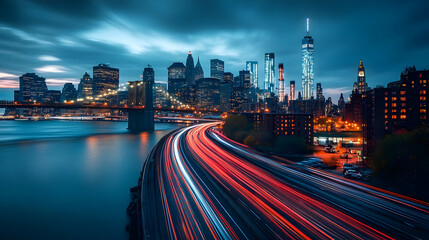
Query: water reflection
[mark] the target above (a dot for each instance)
(76, 186)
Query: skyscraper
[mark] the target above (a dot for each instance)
(269, 72)
(360, 86)
(281, 84)
(244, 79)
(307, 65)
(190, 79)
(252, 67)
(319, 91)
(208, 95)
(228, 77)
(198, 71)
(68, 93)
(31, 88)
(177, 80)
(148, 82)
(85, 92)
(104, 78)
(292, 90)
(216, 68)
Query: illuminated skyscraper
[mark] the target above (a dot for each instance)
(31, 88)
(216, 68)
(269, 72)
(361, 85)
(281, 84)
(252, 67)
(292, 90)
(307, 65)
(85, 92)
(105, 78)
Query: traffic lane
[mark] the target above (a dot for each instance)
(278, 200)
(367, 207)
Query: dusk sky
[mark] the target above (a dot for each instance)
(61, 40)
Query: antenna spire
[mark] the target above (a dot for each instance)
(308, 26)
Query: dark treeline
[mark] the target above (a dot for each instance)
(402, 161)
(239, 129)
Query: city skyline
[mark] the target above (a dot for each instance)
(64, 56)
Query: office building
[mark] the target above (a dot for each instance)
(105, 78)
(198, 71)
(353, 109)
(148, 83)
(177, 81)
(85, 91)
(216, 68)
(68, 93)
(189, 73)
(228, 77)
(319, 91)
(310, 106)
(300, 125)
(307, 50)
(225, 89)
(208, 93)
(32, 88)
(292, 90)
(401, 106)
(281, 84)
(270, 78)
(341, 105)
(160, 96)
(252, 67)
(243, 79)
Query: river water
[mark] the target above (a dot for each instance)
(69, 179)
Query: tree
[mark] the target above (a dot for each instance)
(403, 160)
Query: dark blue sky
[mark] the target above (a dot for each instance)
(60, 40)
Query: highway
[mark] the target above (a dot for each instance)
(199, 184)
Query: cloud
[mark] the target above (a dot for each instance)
(7, 83)
(7, 75)
(61, 81)
(52, 69)
(49, 58)
(337, 91)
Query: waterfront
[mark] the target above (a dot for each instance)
(69, 180)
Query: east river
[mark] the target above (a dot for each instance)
(69, 179)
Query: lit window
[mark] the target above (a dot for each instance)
(403, 110)
(393, 116)
(403, 99)
(403, 116)
(403, 92)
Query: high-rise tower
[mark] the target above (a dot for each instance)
(307, 49)
(252, 67)
(281, 84)
(198, 71)
(190, 79)
(361, 80)
(269, 72)
(216, 68)
(292, 90)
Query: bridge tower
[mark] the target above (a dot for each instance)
(140, 94)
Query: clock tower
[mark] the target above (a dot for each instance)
(361, 81)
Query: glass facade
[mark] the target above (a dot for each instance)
(269, 72)
(216, 68)
(307, 66)
(252, 67)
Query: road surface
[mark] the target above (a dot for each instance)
(198, 184)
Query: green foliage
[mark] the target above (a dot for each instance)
(236, 127)
(403, 160)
